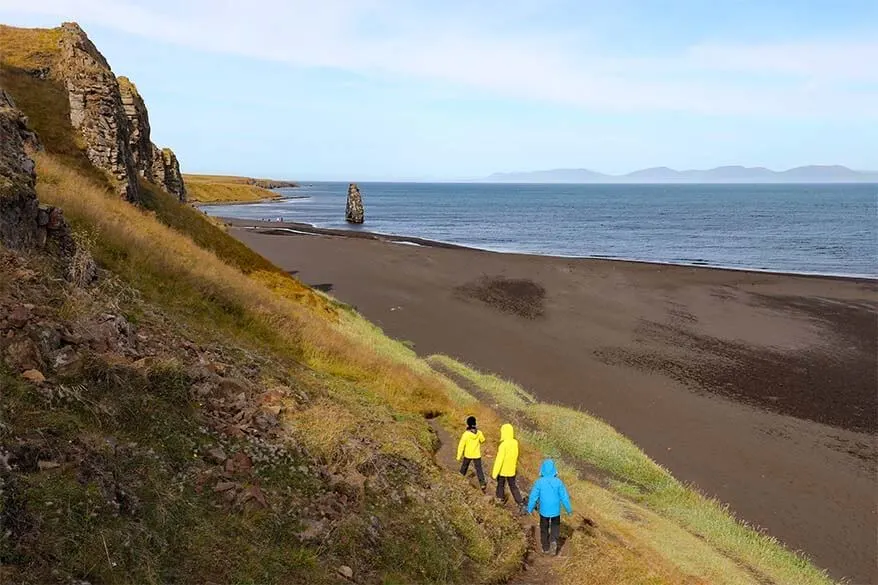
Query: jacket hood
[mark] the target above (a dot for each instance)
(506, 432)
(547, 469)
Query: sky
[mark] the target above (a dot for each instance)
(459, 89)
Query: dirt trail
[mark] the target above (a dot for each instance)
(537, 568)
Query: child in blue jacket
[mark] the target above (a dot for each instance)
(551, 494)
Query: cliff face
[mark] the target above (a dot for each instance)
(151, 162)
(108, 113)
(19, 209)
(96, 109)
(24, 223)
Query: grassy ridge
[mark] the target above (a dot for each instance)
(230, 189)
(580, 437)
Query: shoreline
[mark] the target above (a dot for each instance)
(759, 388)
(279, 227)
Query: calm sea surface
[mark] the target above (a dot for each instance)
(824, 229)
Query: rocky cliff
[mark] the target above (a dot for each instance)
(108, 113)
(155, 164)
(24, 223)
(19, 208)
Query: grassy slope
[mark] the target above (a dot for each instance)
(226, 189)
(578, 437)
(181, 278)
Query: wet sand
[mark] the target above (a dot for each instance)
(761, 389)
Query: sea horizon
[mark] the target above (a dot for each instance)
(765, 227)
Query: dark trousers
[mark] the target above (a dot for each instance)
(501, 488)
(545, 525)
(477, 463)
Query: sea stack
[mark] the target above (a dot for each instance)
(354, 212)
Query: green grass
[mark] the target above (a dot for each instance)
(580, 437)
(128, 511)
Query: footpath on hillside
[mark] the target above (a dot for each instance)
(537, 568)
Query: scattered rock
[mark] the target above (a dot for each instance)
(354, 212)
(19, 317)
(224, 486)
(239, 463)
(216, 455)
(45, 465)
(23, 354)
(34, 376)
(47, 338)
(346, 572)
(66, 360)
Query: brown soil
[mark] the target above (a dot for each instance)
(759, 388)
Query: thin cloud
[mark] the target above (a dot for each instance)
(812, 79)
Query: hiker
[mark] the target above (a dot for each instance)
(470, 450)
(550, 492)
(505, 465)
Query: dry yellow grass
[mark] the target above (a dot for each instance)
(299, 321)
(28, 48)
(206, 192)
(229, 188)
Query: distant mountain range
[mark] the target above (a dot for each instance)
(728, 174)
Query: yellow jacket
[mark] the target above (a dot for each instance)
(507, 453)
(470, 445)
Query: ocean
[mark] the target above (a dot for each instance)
(815, 229)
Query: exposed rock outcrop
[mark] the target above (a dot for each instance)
(151, 162)
(166, 172)
(107, 112)
(354, 212)
(24, 223)
(19, 208)
(96, 109)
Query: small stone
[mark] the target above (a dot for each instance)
(224, 486)
(34, 376)
(19, 317)
(44, 465)
(346, 572)
(217, 455)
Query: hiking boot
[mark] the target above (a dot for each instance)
(546, 551)
(499, 501)
(553, 548)
(522, 509)
(484, 489)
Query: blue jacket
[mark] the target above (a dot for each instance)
(550, 492)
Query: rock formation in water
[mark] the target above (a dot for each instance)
(354, 212)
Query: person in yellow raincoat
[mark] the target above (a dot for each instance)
(469, 450)
(506, 464)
